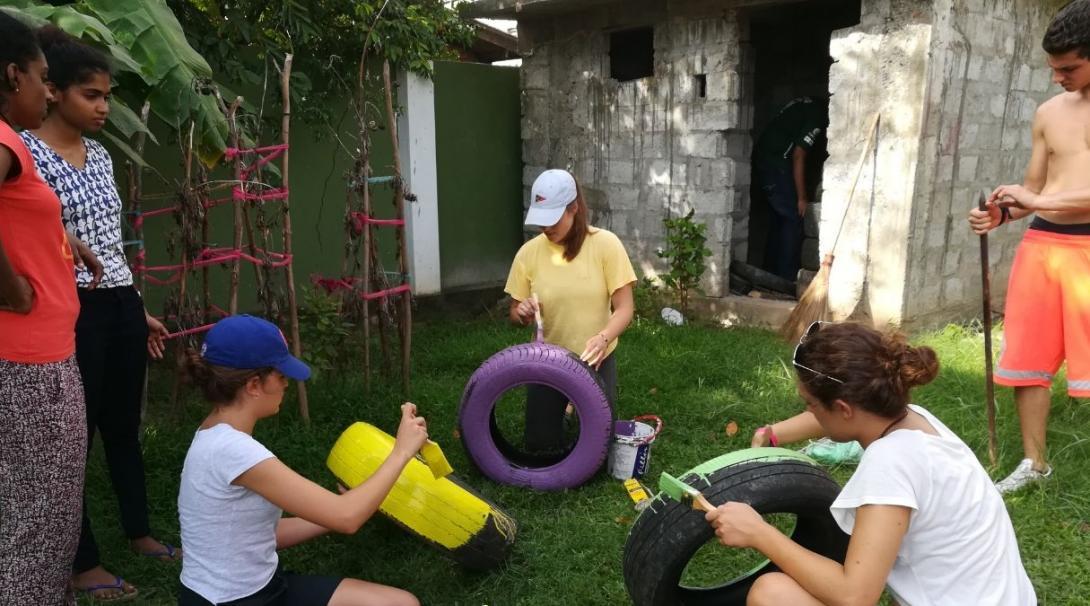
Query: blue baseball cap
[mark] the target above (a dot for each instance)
(246, 342)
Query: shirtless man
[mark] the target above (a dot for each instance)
(1048, 297)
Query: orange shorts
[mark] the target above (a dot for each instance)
(1048, 313)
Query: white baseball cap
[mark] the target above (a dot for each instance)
(552, 192)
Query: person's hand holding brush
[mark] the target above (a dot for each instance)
(522, 312)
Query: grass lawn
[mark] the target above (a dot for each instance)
(569, 545)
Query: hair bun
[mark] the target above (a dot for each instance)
(196, 369)
(917, 365)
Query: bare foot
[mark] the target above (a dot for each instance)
(155, 549)
(111, 586)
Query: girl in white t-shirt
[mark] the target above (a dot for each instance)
(233, 490)
(923, 515)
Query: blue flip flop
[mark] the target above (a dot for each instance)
(169, 553)
(118, 584)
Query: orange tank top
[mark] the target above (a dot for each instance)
(37, 247)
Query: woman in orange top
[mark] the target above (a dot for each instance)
(43, 433)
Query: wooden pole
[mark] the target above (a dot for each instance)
(285, 133)
(136, 192)
(405, 319)
(365, 144)
(232, 124)
(187, 242)
(206, 237)
(989, 381)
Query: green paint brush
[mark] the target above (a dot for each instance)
(680, 491)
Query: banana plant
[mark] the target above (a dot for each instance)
(143, 37)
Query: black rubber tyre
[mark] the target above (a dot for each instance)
(668, 533)
(761, 278)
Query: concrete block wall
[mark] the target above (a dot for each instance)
(957, 83)
(880, 67)
(987, 77)
(647, 149)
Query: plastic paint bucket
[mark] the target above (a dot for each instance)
(630, 451)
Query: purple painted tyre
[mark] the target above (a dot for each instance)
(542, 364)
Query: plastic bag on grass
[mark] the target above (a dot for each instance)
(828, 452)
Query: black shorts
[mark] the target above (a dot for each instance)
(285, 589)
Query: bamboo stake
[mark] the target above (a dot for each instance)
(187, 238)
(367, 242)
(136, 191)
(405, 318)
(206, 287)
(232, 124)
(285, 133)
(234, 132)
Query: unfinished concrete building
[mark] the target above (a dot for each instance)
(654, 106)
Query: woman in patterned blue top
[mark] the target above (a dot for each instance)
(114, 333)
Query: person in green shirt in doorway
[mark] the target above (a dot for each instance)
(780, 161)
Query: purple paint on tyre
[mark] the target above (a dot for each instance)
(542, 364)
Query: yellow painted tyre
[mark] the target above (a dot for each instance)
(443, 512)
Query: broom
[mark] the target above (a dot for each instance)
(812, 304)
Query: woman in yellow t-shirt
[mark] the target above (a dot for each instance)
(583, 281)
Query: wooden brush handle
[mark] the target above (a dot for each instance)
(540, 335)
(699, 502)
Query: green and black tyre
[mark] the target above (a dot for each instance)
(668, 534)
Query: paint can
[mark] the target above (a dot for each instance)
(630, 451)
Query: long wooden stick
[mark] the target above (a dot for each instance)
(989, 381)
(285, 133)
(136, 192)
(405, 319)
(236, 265)
(368, 241)
(187, 243)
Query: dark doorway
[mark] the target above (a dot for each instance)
(790, 45)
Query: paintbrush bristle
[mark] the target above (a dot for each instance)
(675, 488)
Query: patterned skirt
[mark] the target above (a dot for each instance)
(43, 442)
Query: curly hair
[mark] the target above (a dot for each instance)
(1069, 30)
(872, 370)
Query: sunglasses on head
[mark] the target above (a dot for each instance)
(816, 326)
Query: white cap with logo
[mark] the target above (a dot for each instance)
(552, 192)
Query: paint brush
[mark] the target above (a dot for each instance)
(680, 491)
(435, 460)
(537, 318)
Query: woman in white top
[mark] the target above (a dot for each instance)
(924, 517)
(233, 490)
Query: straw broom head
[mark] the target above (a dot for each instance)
(812, 304)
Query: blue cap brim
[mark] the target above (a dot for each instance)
(293, 368)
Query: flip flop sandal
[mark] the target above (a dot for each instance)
(118, 584)
(169, 553)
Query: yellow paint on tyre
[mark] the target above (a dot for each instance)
(439, 510)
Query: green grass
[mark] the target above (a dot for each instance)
(569, 546)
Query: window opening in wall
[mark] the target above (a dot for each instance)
(632, 54)
(700, 85)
